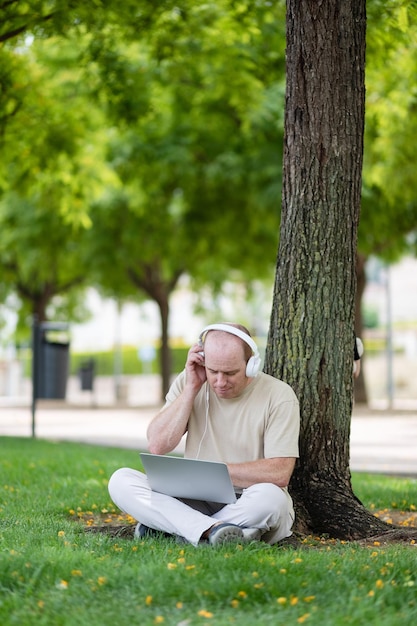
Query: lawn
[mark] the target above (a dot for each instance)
(53, 571)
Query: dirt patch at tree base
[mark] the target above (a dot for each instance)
(406, 519)
(404, 529)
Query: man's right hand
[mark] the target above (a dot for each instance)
(195, 368)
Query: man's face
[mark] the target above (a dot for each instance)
(225, 364)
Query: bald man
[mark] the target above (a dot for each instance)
(231, 412)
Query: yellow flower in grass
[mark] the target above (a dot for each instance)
(63, 584)
(379, 584)
(303, 618)
(101, 580)
(61, 533)
(148, 600)
(76, 572)
(159, 619)
(234, 603)
(204, 613)
(242, 594)
(294, 600)
(282, 600)
(117, 548)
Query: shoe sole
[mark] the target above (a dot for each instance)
(227, 535)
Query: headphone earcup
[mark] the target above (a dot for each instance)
(254, 364)
(252, 367)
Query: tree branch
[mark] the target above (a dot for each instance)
(21, 29)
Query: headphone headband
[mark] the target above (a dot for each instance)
(228, 328)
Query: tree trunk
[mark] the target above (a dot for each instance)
(310, 343)
(165, 353)
(150, 278)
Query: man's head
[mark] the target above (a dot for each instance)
(231, 360)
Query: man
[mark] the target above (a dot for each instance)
(357, 355)
(231, 413)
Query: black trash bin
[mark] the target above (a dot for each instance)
(54, 366)
(86, 374)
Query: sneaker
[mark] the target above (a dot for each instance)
(146, 532)
(251, 534)
(143, 532)
(225, 533)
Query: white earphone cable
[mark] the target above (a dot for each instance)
(206, 423)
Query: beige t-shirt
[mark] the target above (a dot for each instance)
(263, 422)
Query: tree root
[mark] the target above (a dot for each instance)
(124, 532)
(394, 535)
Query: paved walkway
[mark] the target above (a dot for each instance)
(381, 441)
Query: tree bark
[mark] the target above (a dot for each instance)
(310, 342)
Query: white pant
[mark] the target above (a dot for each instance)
(264, 506)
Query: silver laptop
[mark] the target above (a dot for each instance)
(189, 478)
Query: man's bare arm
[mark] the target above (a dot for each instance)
(169, 425)
(276, 470)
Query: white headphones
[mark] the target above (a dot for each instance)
(254, 364)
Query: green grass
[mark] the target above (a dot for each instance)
(54, 573)
(380, 492)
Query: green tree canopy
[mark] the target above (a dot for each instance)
(49, 175)
(188, 101)
(388, 225)
(197, 153)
